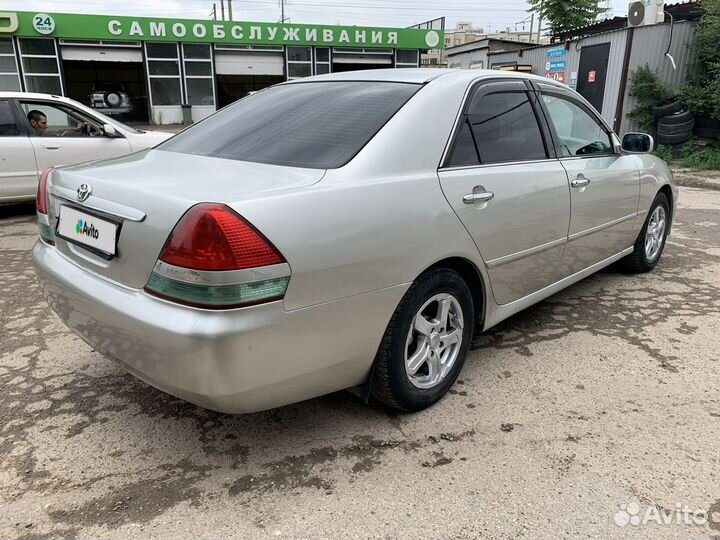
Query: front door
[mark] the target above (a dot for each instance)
(509, 193)
(604, 184)
(18, 170)
(592, 73)
(63, 135)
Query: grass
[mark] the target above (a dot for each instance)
(692, 156)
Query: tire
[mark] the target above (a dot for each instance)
(392, 383)
(706, 133)
(113, 99)
(667, 109)
(639, 261)
(677, 118)
(675, 129)
(674, 139)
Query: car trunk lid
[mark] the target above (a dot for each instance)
(145, 194)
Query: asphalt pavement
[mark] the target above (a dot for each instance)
(593, 414)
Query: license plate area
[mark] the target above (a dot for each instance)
(97, 234)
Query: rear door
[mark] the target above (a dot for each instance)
(501, 177)
(18, 169)
(604, 184)
(63, 143)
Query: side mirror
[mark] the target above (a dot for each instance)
(109, 130)
(638, 143)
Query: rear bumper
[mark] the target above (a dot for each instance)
(237, 361)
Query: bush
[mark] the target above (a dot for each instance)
(664, 152)
(701, 158)
(649, 90)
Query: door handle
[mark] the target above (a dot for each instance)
(580, 181)
(472, 198)
(50, 146)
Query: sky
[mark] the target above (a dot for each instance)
(487, 14)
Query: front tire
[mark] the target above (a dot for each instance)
(650, 242)
(426, 343)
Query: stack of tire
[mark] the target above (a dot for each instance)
(675, 124)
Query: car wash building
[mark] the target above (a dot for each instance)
(158, 69)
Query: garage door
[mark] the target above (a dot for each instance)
(101, 54)
(231, 63)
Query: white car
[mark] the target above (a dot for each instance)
(69, 133)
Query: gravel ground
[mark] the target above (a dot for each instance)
(593, 414)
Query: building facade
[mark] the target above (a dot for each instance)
(166, 65)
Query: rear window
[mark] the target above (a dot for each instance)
(312, 125)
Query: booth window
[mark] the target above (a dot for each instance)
(406, 58)
(40, 65)
(199, 76)
(322, 60)
(299, 62)
(9, 78)
(163, 66)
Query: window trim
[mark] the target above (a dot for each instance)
(495, 85)
(551, 90)
(57, 105)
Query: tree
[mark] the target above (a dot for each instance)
(566, 15)
(702, 94)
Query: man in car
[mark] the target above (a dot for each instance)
(38, 121)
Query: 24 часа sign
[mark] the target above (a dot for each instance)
(107, 27)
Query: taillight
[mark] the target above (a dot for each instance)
(41, 201)
(41, 204)
(211, 259)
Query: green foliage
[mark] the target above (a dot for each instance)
(649, 90)
(566, 15)
(702, 93)
(701, 158)
(664, 152)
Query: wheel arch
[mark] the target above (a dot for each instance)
(478, 289)
(667, 190)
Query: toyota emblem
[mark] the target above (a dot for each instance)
(83, 192)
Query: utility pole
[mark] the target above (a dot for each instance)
(222, 9)
(214, 12)
(282, 11)
(540, 17)
(532, 24)
(230, 18)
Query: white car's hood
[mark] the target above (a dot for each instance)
(147, 139)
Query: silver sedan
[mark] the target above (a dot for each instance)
(349, 230)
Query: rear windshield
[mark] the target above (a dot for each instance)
(314, 125)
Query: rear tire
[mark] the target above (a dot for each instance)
(419, 360)
(643, 259)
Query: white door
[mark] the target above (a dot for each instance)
(18, 170)
(63, 135)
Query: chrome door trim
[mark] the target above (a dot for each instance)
(501, 312)
(601, 227)
(484, 196)
(228, 277)
(498, 164)
(525, 253)
(107, 207)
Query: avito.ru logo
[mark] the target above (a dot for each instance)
(83, 227)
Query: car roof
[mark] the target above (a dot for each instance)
(421, 75)
(31, 95)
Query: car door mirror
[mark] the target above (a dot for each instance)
(637, 143)
(110, 131)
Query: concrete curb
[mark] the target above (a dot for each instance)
(697, 179)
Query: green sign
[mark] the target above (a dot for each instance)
(107, 27)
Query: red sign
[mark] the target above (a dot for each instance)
(591, 76)
(557, 76)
